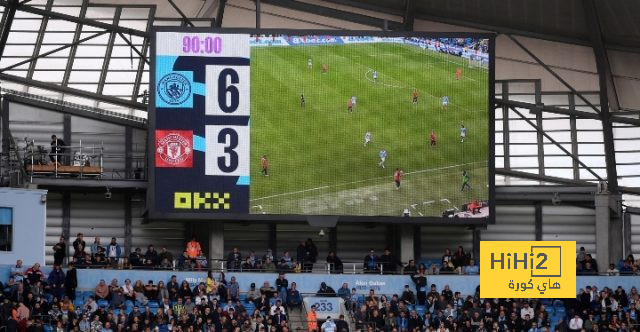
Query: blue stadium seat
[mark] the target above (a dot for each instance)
(78, 303)
(103, 303)
(420, 309)
(116, 312)
(153, 305)
(128, 303)
(47, 328)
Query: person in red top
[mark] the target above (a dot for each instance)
(264, 163)
(458, 73)
(415, 96)
(397, 176)
(433, 138)
(194, 251)
(350, 105)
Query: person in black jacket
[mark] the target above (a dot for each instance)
(326, 290)
(59, 251)
(420, 279)
(71, 282)
(341, 324)
(335, 263)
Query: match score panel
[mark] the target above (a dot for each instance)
(199, 123)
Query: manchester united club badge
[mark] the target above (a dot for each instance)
(174, 148)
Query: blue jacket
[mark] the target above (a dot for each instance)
(56, 278)
(402, 323)
(118, 250)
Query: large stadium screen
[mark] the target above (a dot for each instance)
(283, 125)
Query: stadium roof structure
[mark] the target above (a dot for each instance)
(94, 53)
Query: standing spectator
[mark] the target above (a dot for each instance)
(293, 297)
(96, 246)
(173, 287)
(194, 251)
(312, 319)
(407, 296)
(460, 258)
(71, 281)
(59, 251)
(420, 279)
(281, 286)
(233, 290)
(371, 262)
(79, 246)
(335, 263)
(234, 260)
(57, 150)
(151, 256)
(311, 254)
(56, 281)
(326, 290)
(328, 325)
(388, 262)
(342, 325)
(300, 253)
(114, 251)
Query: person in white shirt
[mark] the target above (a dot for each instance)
(575, 324)
(526, 310)
(328, 325)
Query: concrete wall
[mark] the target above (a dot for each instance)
(29, 217)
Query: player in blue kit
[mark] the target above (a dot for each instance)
(463, 133)
(383, 157)
(375, 76)
(445, 102)
(367, 138)
(310, 63)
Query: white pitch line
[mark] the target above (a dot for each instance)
(420, 213)
(445, 200)
(366, 76)
(366, 180)
(428, 202)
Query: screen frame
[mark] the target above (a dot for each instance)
(152, 214)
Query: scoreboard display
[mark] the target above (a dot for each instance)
(282, 125)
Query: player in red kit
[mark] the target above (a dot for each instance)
(433, 138)
(264, 164)
(397, 176)
(458, 73)
(350, 105)
(325, 68)
(415, 96)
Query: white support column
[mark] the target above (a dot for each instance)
(216, 240)
(609, 240)
(406, 243)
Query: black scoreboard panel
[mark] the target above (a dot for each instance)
(282, 125)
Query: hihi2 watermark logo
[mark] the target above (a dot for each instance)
(527, 269)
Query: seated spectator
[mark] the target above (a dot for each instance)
(588, 268)
(408, 297)
(102, 290)
(335, 263)
(96, 246)
(269, 266)
(127, 290)
(627, 269)
(17, 271)
(447, 268)
(117, 298)
(294, 299)
(267, 290)
(151, 256)
(247, 266)
(410, 268)
(79, 246)
(253, 260)
(371, 262)
(100, 258)
(34, 274)
(286, 262)
(193, 251)
(325, 290)
(268, 255)
(472, 268)
(446, 257)
(234, 260)
(613, 271)
(165, 258)
(185, 290)
(150, 291)
(253, 294)
(135, 258)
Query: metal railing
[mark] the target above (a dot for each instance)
(77, 155)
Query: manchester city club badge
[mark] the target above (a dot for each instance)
(174, 89)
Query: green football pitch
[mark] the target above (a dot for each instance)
(318, 163)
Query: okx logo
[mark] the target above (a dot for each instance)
(519, 269)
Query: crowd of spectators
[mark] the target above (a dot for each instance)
(30, 300)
